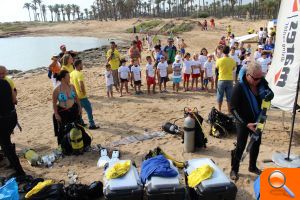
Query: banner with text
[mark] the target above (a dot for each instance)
(284, 71)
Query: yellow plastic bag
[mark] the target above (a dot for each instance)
(200, 174)
(118, 170)
(38, 188)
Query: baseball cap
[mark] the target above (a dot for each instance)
(62, 46)
(177, 57)
(260, 46)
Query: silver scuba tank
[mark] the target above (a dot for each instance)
(189, 134)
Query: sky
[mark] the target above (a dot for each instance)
(12, 10)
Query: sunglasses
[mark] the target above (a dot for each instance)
(255, 79)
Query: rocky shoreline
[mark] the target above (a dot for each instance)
(91, 58)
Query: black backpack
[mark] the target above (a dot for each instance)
(221, 124)
(66, 144)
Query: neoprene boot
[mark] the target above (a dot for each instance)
(14, 161)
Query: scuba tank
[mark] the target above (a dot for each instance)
(32, 157)
(76, 140)
(189, 134)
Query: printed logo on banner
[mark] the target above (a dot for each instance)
(288, 46)
(296, 6)
(280, 184)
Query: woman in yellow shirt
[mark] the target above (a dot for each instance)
(67, 63)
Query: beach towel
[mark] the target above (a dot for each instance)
(251, 99)
(200, 174)
(118, 170)
(156, 166)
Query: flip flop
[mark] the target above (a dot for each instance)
(115, 155)
(103, 158)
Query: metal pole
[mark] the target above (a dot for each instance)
(293, 119)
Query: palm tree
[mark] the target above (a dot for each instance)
(68, 10)
(97, 2)
(73, 7)
(39, 2)
(157, 2)
(78, 12)
(57, 11)
(34, 8)
(90, 14)
(50, 7)
(27, 6)
(203, 4)
(62, 10)
(94, 11)
(44, 12)
(86, 13)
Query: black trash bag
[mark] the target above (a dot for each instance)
(50, 192)
(84, 192)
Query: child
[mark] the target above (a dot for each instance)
(248, 49)
(109, 81)
(195, 71)
(136, 77)
(237, 61)
(208, 67)
(162, 73)
(124, 74)
(150, 75)
(202, 60)
(264, 62)
(177, 68)
(187, 70)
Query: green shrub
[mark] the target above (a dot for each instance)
(145, 26)
(184, 27)
(200, 15)
(167, 27)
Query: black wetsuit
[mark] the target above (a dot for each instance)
(241, 109)
(8, 121)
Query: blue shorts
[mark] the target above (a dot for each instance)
(177, 80)
(182, 51)
(224, 86)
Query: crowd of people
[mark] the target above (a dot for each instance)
(230, 62)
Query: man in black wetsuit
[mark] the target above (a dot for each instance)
(8, 121)
(246, 103)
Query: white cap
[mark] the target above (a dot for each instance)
(260, 46)
(177, 57)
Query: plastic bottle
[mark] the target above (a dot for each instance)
(32, 157)
(189, 134)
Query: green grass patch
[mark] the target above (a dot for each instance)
(21, 26)
(145, 26)
(184, 27)
(167, 27)
(12, 27)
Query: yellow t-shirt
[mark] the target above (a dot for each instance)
(11, 83)
(69, 68)
(115, 61)
(226, 65)
(76, 77)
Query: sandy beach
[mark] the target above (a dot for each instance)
(130, 115)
